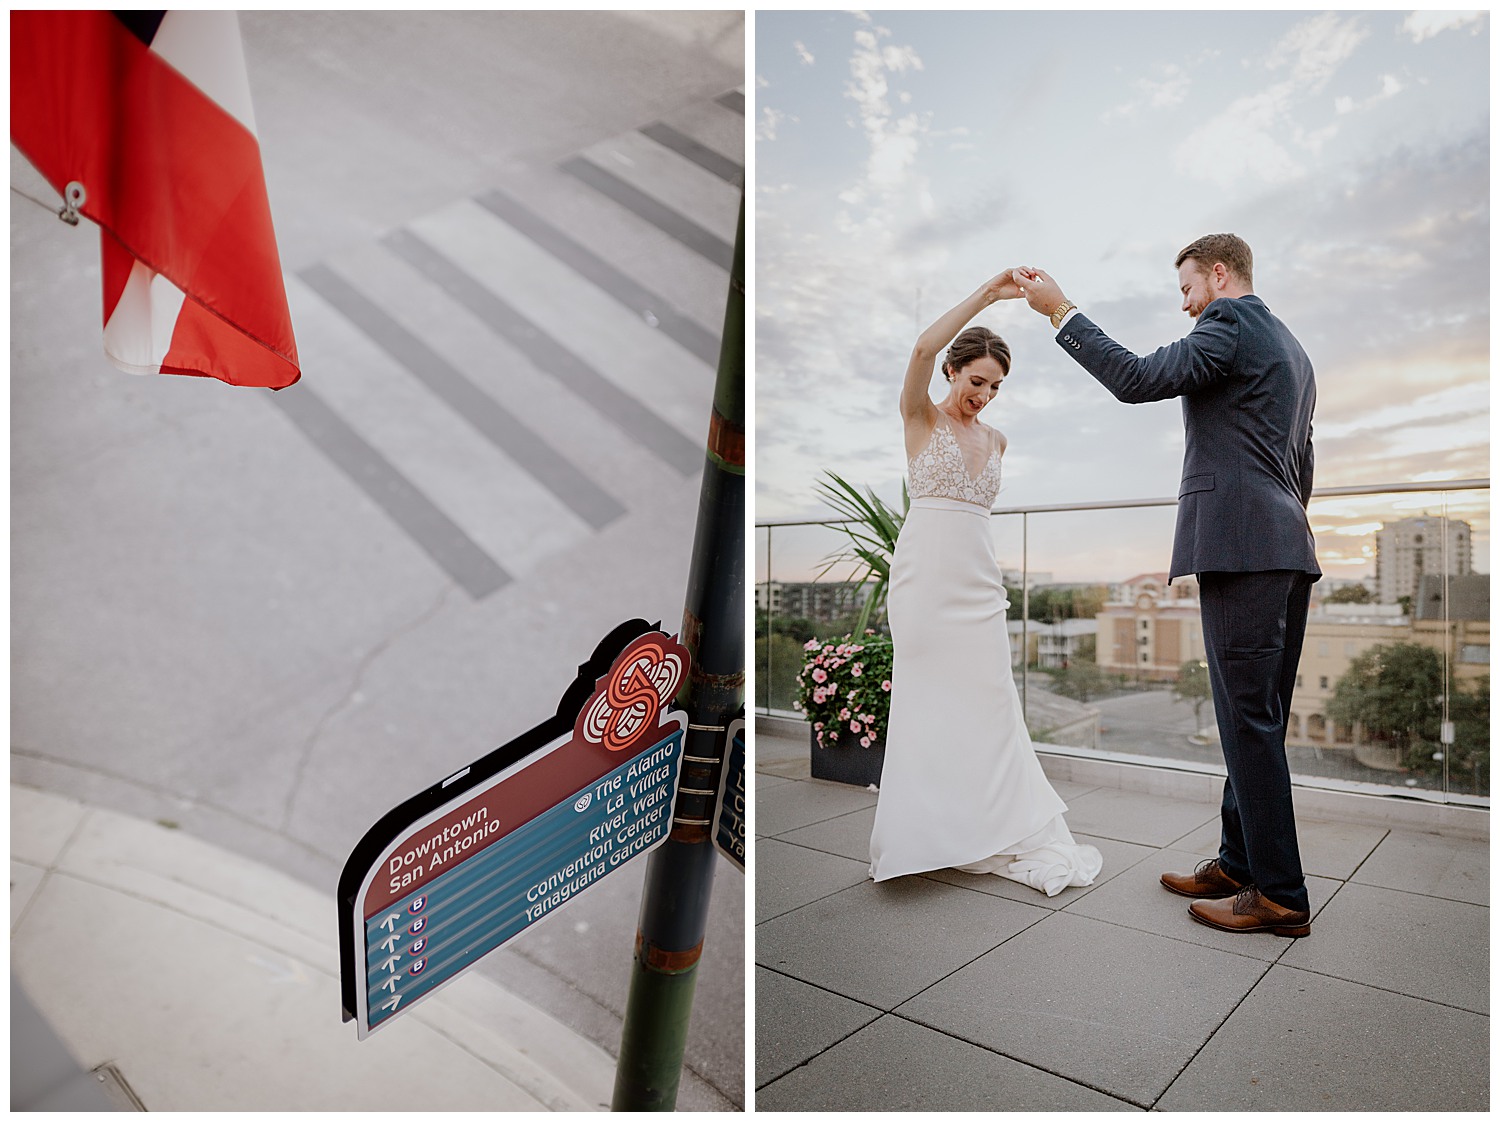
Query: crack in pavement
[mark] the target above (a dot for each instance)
(310, 745)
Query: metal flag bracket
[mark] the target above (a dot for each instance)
(74, 196)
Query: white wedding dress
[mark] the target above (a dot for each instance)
(961, 786)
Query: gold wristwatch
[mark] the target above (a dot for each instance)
(1058, 312)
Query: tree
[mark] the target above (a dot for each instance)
(1470, 713)
(794, 627)
(1194, 687)
(1081, 681)
(1055, 603)
(1395, 693)
(778, 688)
(1352, 594)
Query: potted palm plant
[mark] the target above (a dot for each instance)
(845, 685)
(872, 529)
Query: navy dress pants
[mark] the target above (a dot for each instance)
(1252, 630)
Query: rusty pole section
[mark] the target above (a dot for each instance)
(679, 874)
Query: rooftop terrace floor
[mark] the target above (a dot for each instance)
(950, 991)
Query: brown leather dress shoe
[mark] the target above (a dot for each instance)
(1206, 882)
(1250, 911)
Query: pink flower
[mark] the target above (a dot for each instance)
(818, 727)
(820, 675)
(857, 669)
(886, 685)
(864, 741)
(844, 714)
(853, 726)
(810, 645)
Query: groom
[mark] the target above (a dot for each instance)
(1247, 402)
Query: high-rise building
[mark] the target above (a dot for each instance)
(1407, 550)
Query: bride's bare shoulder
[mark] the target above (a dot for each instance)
(997, 439)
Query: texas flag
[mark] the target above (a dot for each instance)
(149, 114)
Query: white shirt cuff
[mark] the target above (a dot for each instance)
(1070, 314)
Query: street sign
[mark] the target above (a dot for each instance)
(468, 864)
(729, 819)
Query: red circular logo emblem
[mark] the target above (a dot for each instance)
(639, 685)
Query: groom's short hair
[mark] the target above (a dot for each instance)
(1227, 249)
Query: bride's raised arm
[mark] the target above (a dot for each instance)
(916, 402)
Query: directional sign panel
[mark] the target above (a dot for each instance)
(457, 871)
(729, 819)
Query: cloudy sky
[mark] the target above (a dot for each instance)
(903, 158)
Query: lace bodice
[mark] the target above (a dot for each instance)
(939, 471)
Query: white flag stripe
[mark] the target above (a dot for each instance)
(672, 180)
(489, 496)
(616, 342)
(571, 425)
(205, 48)
(138, 332)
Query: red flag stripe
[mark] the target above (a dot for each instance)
(176, 180)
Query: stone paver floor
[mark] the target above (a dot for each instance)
(956, 992)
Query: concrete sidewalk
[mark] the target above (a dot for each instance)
(201, 978)
(956, 992)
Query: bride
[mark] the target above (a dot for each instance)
(961, 786)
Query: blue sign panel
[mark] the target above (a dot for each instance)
(729, 821)
(428, 937)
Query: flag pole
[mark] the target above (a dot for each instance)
(679, 873)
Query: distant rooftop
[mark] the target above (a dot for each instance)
(1469, 597)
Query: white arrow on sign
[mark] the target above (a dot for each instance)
(389, 984)
(392, 1003)
(389, 922)
(390, 941)
(390, 963)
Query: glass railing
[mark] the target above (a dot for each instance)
(1392, 694)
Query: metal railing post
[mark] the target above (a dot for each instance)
(1025, 603)
(770, 625)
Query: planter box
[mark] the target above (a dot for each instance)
(851, 764)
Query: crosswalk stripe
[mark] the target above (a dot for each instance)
(618, 406)
(712, 126)
(671, 179)
(637, 359)
(498, 424)
(664, 218)
(428, 527)
(702, 155)
(476, 483)
(599, 272)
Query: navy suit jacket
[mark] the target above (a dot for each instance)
(1247, 394)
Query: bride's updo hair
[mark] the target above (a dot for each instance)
(975, 343)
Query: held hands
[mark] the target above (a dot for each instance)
(1040, 290)
(1006, 286)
